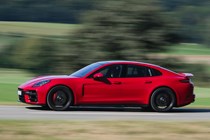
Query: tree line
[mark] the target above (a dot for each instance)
(193, 16)
(110, 30)
(60, 11)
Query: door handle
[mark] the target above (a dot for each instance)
(117, 82)
(148, 82)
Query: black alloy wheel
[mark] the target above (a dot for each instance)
(162, 100)
(59, 98)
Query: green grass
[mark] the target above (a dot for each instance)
(9, 81)
(36, 28)
(11, 32)
(103, 130)
(189, 49)
(202, 97)
(8, 93)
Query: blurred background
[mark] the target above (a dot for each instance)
(58, 37)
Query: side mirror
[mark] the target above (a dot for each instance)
(98, 76)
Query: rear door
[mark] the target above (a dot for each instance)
(136, 81)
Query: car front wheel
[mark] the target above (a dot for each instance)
(59, 98)
(162, 100)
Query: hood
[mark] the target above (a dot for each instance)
(41, 78)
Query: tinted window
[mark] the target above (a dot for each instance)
(155, 72)
(82, 72)
(137, 71)
(113, 71)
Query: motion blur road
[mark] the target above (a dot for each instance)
(96, 114)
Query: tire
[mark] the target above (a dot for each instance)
(162, 100)
(59, 98)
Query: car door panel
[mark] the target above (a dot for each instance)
(100, 92)
(135, 90)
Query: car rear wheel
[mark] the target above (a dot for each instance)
(59, 98)
(162, 100)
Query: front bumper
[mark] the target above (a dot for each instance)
(27, 96)
(21, 96)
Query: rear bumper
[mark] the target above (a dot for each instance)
(188, 101)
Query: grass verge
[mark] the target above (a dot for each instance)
(103, 130)
(36, 28)
(189, 49)
(9, 81)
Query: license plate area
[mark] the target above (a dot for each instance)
(19, 92)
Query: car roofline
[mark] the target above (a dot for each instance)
(126, 61)
(134, 62)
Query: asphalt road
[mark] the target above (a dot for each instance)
(91, 113)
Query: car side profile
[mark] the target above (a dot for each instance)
(111, 83)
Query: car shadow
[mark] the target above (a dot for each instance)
(190, 110)
(87, 108)
(122, 109)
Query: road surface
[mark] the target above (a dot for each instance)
(96, 114)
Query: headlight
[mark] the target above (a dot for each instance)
(41, 83)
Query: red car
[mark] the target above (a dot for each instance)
(111, 83)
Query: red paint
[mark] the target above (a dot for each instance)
(118, 90)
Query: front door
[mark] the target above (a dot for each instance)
(106, 90)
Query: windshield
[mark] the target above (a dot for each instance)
(82, 72)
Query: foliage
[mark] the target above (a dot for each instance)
(34, 54)
(113, 29)
(123, 30)
(192, 14)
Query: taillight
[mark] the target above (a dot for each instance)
(186, 77)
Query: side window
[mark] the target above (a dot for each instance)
(137, 71)
(113, 71)
(155, 72)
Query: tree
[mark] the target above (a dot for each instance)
(122, 30)
(193, 16)
(33, 54)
